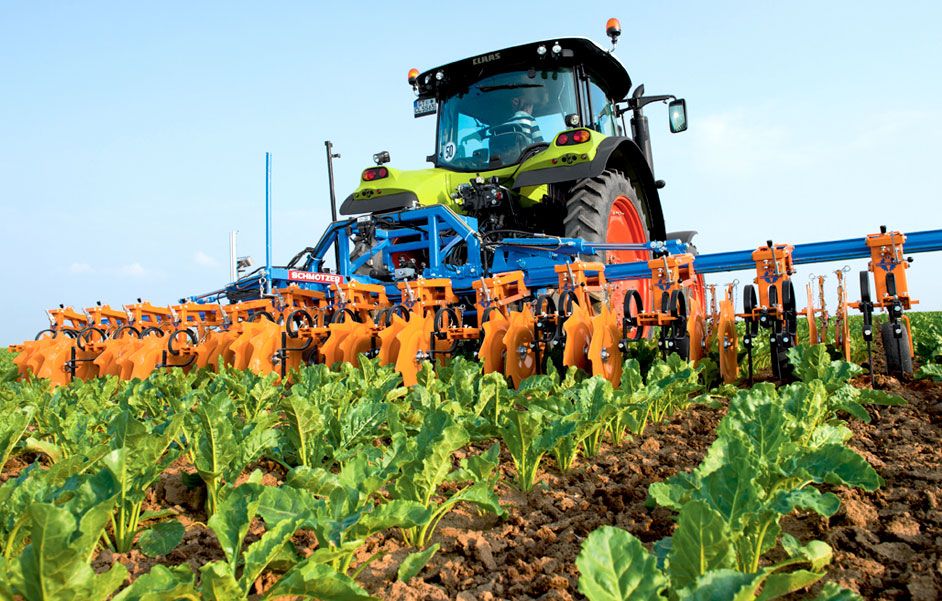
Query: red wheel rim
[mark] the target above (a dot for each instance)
(625, 225)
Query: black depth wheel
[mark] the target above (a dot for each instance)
(899, 358)
(566, 300)
(171, 347)
(296, 320)
(866, 306)
(258, 316)
(677, 307)
(445, 319)
(47, 333)
(85, 336)
(340, 316)
(633, 306)
(126, 330)
(790, 309)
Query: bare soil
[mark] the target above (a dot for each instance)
(888, 543)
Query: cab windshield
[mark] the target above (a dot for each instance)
(498, 118)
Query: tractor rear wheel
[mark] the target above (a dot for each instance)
(605, 208)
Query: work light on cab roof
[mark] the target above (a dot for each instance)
(613, 30)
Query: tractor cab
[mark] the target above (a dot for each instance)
(497, 109)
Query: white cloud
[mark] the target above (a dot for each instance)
(204, 260)
(135, 270)
(79, 268)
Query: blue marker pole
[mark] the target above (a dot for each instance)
(268, 272)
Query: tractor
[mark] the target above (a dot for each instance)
(532, 140)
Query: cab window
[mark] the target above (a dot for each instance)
(603, 115)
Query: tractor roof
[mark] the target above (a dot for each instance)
(457, 76)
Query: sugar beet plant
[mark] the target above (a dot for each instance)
(773, 451)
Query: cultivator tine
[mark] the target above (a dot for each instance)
(332, 350)
(728, 344)
(414, 346)
(604, 354)
(696, 331)
(810, 317)
(388, 339)
(866, 307)
(841, 323)
(492, 349)
(520, 359)
(578, 334)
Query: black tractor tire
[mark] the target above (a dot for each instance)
(590, 204)
(899, 357)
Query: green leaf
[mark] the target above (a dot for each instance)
(319, 581)
(430, 460)
(528, 437)
(700, 544)
(930, 371)
(837, 464)
(160, 584)
(12, 427)
(305, 428)
(397, 513)
(614, 566)
(782, 583)
(755, 415)
(43, 447)
(830, 434)
(232, 519)
(477, 467)
(824, 504)
(260, 553)
(482, 495)
(814, 363)
(276, 504)
(816, 553)
(881, 397)
(833, 592)
(55, 563)
(218, 583)
(731, 490)
(723, 585)
(161, 538)
(674, 492)
(414, 562)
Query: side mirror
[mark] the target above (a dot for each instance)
(677, 112)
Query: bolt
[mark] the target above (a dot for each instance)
(605, 354)
(522, 350)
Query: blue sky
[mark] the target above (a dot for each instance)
(132, 135)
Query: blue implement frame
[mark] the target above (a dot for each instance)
(450, 246)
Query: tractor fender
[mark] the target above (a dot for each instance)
(399, 200)
(614, 152)
(685, 236)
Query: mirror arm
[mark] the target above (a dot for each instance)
(646, 100)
